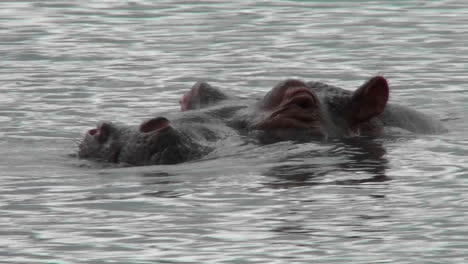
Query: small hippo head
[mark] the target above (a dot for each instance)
(290, 111)
(155, 141)
(102, 143)
(293, 110)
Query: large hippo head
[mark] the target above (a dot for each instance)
(155, 141)
(294, 110)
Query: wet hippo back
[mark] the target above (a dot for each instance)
(411, 120)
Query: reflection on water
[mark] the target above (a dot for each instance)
(67, 65)
(357, 156)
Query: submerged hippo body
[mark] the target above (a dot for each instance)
(292, 110)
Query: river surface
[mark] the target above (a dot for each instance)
(64, 65)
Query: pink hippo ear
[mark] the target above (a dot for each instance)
(201, 95)
(185, 101)
(101, 132)
(368, 101)
(154, 124)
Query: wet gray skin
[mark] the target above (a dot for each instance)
(158, 140)
(124, 144)
(292, 110)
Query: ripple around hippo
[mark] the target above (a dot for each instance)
(292, 110)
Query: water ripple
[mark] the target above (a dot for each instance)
(66, 65)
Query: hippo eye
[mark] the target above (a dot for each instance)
(304, 103)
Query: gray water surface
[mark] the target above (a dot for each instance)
(64, 65)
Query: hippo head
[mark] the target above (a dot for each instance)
(102, 143)
(155, 141)
(294, 111)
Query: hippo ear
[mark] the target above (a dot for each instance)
(102, 132)
(368, 101)
(201, 95)
(154, 124)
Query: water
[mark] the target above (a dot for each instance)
(65, 65)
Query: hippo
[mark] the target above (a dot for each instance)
(318, 110)
(292, 110)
